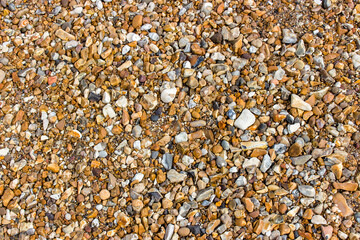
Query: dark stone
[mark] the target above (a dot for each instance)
(154, 118)
(94, 97)
(65, 3)
(217, 38)
(195, 229)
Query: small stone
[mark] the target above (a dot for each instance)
(241, 181)
(295, 150)
(301, 160)
(7, 196)
(108, 111)
(4, 152)
(53, 167)
(137, 21)
(174, 176)
(245, 120)
(347, 186)
(297, 102)
(212, 225)
(318, 219)
(64, 35)
(204, 194)
(356, 60)
(2, 76)
(249, 205)
(217, 38)
(183, 232)
(326, 232)
(289, 37)
(340, 201)
(266, 163)
(307, 190)
(181, 137)
(104, 194)
(251, 163)
(169, 232)
(168, 95)
(300, 50)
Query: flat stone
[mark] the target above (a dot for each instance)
(266, 163)
(204, 194)
(175, 177)
(64, 35)
(289, 37)
(340, 201)
(307, 190)
(347, 186)
(301, 160)
(137, 21)
(326, 232)
(212, 225)
(318, 219)
(7, 196)
(297, 102)
(169, 232)
(245, 120)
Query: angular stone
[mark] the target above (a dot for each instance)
(212, 225)
(245, 120)
(297, 102)
(307, 190)
(340, 201)
(174, 176)
(301, 160)
(204, 194)
(64, 35)
(7, 196)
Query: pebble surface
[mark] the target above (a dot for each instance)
(179, 119)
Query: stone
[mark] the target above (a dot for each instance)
(341, 203)
(204, 194)
(251, 163)
(297, 102)
(183, 232)
(241, 181)
(356, 61)
(137, 21)
(212, 225)
(2, 76)
(295, 150)
(266, 163)
(318, 219)
(149, 101)
(326, 232)
(175, 177)
(7, 196)
(347, 186)
(289, 37)
(104, 194)
(64, 35)
(249, 205)
(169, 232)
(4, 151)
(301, 160)
(108, 111)
(307, 190)
(245, 120)
(168, 95)
(181, 137)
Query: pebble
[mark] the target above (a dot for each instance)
(318, 219)
(307, 190)
(245, 120)
(174, 176)
(297, 102)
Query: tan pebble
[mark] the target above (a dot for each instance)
(7, 196)
(347, 186)
(104, 194)
(340, 201)
(137, 21)
(184, 231)
(53, 167)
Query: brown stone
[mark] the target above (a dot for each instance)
(295, 150)
(137, 21)
(340, 201)
(347, 186)
(7, 196)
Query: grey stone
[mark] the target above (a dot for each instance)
(204, 194)
(307, 190)
(266, 163)
(301, 160)
(174, 176)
